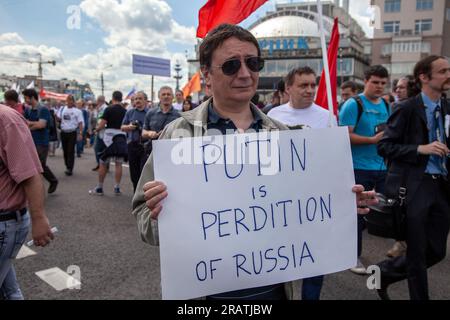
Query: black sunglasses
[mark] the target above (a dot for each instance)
(232, 66)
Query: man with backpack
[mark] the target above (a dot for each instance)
(39, 121)
(366, 115)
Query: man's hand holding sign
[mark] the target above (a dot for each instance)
(282, 217)
(156, 191)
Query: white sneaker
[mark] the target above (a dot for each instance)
(359, 269)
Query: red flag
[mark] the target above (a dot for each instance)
(333, 47)
(193, 85)
(215, 12)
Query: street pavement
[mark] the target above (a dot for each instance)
(98, 234)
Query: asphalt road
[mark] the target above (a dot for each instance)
(99, 235)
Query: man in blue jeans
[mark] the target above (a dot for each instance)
(365, 115)
(21, 183)
(81, 104)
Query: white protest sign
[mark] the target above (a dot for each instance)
(255, 209)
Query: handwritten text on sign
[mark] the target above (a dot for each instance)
(254, 209)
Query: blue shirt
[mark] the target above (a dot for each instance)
(156, 119)
(86, 120)
(365, 156)
(40, 136)
(131, 116)
(434, 165)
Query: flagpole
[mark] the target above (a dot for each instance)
(325, 64)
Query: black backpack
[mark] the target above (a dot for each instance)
(52, 126)
(359, 103)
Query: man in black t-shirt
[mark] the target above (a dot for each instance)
(115, 141)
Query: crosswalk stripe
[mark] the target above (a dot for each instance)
(25, 252)
(58, 279)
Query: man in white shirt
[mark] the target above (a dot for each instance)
(71, 119)
(301, 109)
(178, 105)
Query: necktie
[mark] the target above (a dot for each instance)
(439, 129)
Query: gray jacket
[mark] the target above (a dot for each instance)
(190, 124)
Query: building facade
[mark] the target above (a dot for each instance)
(80, 91)
(410, 30)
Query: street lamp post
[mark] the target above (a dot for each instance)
(102, 79)
(178, 76)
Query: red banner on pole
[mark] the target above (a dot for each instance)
(333, 48)
(52, 95)
(215, 12)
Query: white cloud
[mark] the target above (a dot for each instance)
(142, 25)
(361, 11)
(14, 49)
(87, 68)
(136, 26)
(10, 39)
(131, 26)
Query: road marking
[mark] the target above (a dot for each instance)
(58, 279)
(25, 252)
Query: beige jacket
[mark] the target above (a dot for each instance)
(190, 124)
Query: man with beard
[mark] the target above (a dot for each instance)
(416, 144)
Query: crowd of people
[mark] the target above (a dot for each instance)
(74, 125)
(399, 141)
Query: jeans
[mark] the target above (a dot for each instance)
(52, 145)
(82, 143)
(92, 139)
(12, 236)
(311, 288)
(370, 179)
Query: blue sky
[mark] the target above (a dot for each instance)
(109, 31)
(38, 21)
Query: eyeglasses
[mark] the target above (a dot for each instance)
(232, 66)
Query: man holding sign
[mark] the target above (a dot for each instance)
(231, 60)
